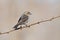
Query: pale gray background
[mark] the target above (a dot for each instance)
(11, 10)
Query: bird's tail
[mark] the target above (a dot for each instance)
(15, 27)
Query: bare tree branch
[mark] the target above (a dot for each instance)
(31, 25)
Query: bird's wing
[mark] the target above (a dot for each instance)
(19, 19)
(23, 18)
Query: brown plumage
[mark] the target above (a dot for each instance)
(22, 20)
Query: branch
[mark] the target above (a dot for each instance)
(31, 25)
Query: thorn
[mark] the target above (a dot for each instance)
(7, 32)
(28, 26)
(38, 22)
(0, 33)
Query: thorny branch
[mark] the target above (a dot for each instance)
(31, 24)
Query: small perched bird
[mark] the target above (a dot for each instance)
(22, 20)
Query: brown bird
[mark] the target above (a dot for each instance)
(22, 20)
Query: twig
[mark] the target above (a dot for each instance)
(31, 25)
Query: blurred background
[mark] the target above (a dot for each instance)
(11, 10)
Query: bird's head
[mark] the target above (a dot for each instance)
(27, 13)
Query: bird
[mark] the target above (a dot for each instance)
(22, 20)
